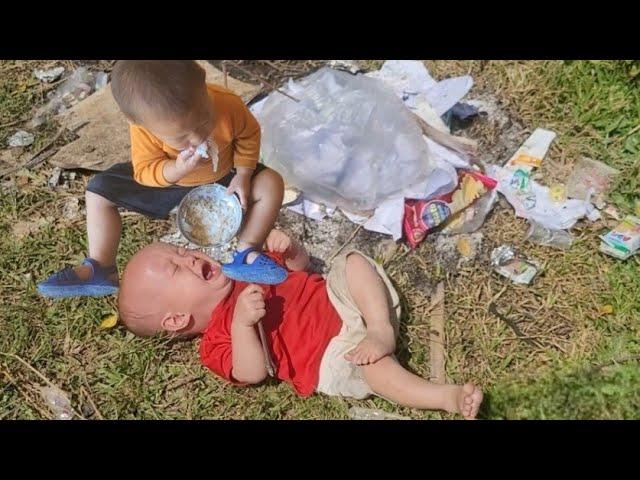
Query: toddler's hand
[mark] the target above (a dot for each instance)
(241, 184)
(250, 306)
(188, 161)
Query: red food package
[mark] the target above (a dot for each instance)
(422, 216)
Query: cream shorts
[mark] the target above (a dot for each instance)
(337, 375)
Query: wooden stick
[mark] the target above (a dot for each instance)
(631, 132)
(93, 405)
(45, 379)
(513, 326)
(262, 80)
(15, 122)
(34, 160)
(464, 146)
(273, 65)
(181, 383)
(351, 237)
(46, 413)
(436, 337)
(268, 363)
(615, 361)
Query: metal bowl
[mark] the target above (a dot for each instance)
(209, 217)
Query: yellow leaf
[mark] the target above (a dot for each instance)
(109, 321)
(464, 247)
(606, 310)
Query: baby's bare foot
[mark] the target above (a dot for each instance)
(467, 401)
(378, 343)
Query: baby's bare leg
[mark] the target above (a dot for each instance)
(372, 298)
(267, 192)
(391, 381)
(103, 233)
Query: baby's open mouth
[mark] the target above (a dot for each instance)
(207, 271)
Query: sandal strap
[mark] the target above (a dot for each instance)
(99, 273)
(240, 257)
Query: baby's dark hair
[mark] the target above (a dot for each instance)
(165, 88)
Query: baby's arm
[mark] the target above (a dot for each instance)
(295, 256)
(246, 350)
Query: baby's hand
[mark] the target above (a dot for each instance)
(250, 306)
(294, 254)
(241, 184)
(279, 242)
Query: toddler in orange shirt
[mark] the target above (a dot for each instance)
(184, 133)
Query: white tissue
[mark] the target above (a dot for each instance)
(203, 149)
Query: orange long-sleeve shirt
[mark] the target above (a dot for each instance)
(236, 134)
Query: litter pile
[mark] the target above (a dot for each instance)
(349, 141)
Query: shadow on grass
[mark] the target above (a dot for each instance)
(601, 392)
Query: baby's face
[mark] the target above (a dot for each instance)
(163, 279)
(190, 131)
(187, 277)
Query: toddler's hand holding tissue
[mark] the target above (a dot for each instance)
(204, 151)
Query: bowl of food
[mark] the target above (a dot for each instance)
(209, 217)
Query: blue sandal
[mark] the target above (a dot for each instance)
(263, 270)
(66, 283)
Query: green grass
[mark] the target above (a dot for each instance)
(599, 103)
(595, 109)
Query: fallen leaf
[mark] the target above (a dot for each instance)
(109, 321)
(464, 247)
(606, 310)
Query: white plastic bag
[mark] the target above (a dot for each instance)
(349, 142)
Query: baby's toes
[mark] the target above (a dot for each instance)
(363, 359)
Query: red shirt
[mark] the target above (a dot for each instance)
(299, 324)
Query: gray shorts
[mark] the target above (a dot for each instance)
(117, 185)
